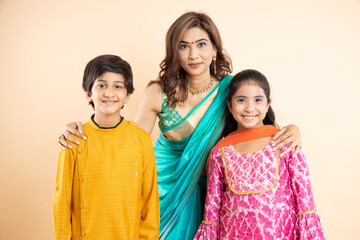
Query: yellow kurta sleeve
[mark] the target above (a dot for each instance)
(62, 208)
(150, 208)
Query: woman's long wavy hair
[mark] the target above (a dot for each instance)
(237, 81)
(172, 77)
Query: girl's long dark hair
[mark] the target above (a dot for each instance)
(238, 80)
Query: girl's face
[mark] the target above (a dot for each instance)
(196, 52)
(249, 106)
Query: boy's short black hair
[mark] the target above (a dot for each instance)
(107, 63)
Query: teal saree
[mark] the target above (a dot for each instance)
(181, 153)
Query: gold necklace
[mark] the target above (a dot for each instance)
(194, 92)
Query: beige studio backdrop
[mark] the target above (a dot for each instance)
(309, 50)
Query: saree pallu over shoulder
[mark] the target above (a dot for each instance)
(187, 125)
(180, 163)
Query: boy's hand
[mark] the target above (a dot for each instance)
(75, 128)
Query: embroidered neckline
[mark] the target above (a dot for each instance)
(232, 180)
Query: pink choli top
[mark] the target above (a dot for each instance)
(259, 195)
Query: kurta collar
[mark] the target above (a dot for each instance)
(97, 126)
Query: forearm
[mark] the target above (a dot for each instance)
(300, 184)
(62, 210)
(214, 191)
(210, 226)
(150, 207)
(150, 212)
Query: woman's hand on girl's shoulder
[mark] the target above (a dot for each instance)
(149, 107)
(75, 128)
(289, 134)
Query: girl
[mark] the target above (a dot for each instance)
(254, 191)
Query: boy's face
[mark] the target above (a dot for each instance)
(109, 94)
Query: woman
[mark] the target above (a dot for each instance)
(190, 100)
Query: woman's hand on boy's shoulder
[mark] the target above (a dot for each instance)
(75, 128)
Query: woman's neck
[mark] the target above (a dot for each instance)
(198, 82)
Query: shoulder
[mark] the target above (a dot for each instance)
(216, 153)
(227, 79)
(224, 82)
(87, 126)
(136, 128)
(214, 159)
(143, 140)
(88, 129)
(151, 98)
(154, 88)
(74, 147)
(289, 155)
(133, 127)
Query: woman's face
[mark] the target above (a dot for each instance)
(196, 52)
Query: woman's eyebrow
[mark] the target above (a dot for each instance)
(199, 40)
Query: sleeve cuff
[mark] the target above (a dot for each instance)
(208, 230)
(309, 226)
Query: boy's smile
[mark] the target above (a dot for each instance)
(109, 95)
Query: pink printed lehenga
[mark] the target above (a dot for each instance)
(259, 195)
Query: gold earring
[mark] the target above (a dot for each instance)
(214, 62)
(177, 75)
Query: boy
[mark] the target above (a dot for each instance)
(106, 187)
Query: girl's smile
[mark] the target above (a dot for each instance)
(249, 105)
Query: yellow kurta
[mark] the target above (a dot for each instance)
(106, 188)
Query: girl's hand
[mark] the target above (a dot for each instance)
(75, 128)
(286, 135)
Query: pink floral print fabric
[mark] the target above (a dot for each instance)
(259, 196)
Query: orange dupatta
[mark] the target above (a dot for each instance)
(245, 135)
